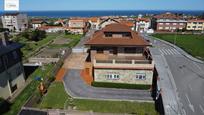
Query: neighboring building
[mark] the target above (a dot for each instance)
(15, 21)
(107, 21)
(36, 23)
(1, 25)
(11, 68)
(143, 25)
(78, 26)
(52, 29)
(94, 21)
(119, 55)
(168, 22)
(195, 24)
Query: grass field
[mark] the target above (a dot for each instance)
(56, 98)
(193, 44)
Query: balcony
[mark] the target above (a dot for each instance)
(132, 62)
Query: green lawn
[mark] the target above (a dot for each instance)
(193, 44)
(28, 91)
(56, 98)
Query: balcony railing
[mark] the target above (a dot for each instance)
(124, 63)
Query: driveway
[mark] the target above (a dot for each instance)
(76, 87)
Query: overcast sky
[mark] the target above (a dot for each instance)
(30, 5)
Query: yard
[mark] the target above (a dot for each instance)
(72, 41)
(28, 91)
(193, 44)
(57, 98)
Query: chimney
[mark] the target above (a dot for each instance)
(4, 38)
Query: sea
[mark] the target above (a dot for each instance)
(65, 14)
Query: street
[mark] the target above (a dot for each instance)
(187, 76)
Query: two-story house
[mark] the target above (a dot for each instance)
(12, 74)
(119, 55)
(143, 24)
(15, 21)
(78, 26)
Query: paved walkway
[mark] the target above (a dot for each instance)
(76, 87)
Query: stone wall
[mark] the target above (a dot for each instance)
(125, 76)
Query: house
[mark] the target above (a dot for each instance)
(94, 21)
(143, 25)
(107, 21)
(12, 75)
(52, 29)
(195, 24)
(119, 55)
(168, 22)
(15, 21)
(78, 26)
(36, 23)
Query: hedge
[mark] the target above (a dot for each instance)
(121, 85)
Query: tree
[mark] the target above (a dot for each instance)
(37, 35)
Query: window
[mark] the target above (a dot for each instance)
(140, 76)
(189, 26)
(112, 76)
(167, 23)
(174, 23)
(199, 26)
(166, 28)
(200, 22)
(160, 23)
(194, 22)
(160, 28)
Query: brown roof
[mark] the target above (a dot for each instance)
(127, 23)
(143, 19)
(99, 38)
(167, 16)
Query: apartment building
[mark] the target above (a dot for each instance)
(15, 21)
(168, 22)
(119, 55)
(11, 68)
(195, 24)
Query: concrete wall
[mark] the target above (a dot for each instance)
(125, 76)
(16, 75)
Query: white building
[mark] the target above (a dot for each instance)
(142, 24)
(15, 21)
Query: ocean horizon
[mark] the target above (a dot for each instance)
(97, 13)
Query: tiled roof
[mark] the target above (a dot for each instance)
(143, 19)
(127, 23)
(99, 37)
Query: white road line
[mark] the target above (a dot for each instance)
(177, 51)
(190, 105)
(161, 51)
(170, 52)
(201, 108)
(173, 51)
(197, 66)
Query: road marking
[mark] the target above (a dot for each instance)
(201, 108)
(177, 51)
(190, 105)
(171, 51)
(161, 52)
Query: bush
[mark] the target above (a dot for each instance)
(121, 85)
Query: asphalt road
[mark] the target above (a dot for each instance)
(188, 76)
(76, 87)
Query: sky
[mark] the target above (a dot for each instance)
(46, 5)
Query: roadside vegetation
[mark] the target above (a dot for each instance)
(193, 44)
(31, 88)
(57, 98)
